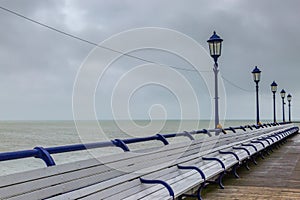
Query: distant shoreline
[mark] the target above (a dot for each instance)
(55, 120)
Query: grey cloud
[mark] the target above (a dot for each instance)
(38, 66)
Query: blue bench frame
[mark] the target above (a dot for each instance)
(45, 153)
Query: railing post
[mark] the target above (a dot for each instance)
(45, 156)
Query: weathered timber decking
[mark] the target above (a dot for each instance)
(275, 177)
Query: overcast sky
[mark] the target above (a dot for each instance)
(38, 66)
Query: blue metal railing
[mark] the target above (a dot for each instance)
(45, 153)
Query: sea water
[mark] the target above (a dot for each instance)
(24, 135)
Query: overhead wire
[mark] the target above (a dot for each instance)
(87, 41)
(235, 85)
(108, 48)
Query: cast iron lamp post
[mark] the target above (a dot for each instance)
(274, 90)
(282, 94)
(256, 77)
(289, 98)
(215, 46)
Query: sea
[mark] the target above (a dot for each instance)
(25, 135)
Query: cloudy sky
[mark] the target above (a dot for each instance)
(38, 66)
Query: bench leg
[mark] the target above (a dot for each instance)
(247, 165)
(234, 172)
(218, 180)
(197, 195)
(200, 190)
(284, 141)
(261, 155)
(267, 151)
(253, 160)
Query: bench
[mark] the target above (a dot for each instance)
(167, 172)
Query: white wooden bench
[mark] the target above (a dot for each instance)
(163, 173)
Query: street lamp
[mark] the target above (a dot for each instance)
(274, 90)
(289, 98)
(215, 46)
(256, 77)
(282, 94)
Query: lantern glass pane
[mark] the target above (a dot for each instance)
(211, 48)
(274, 88)
(256, 76)
(218, 48)
(215, 48)
(282, 94)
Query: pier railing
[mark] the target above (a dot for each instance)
(45, 153)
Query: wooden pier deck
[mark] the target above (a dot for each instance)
(275, 177)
